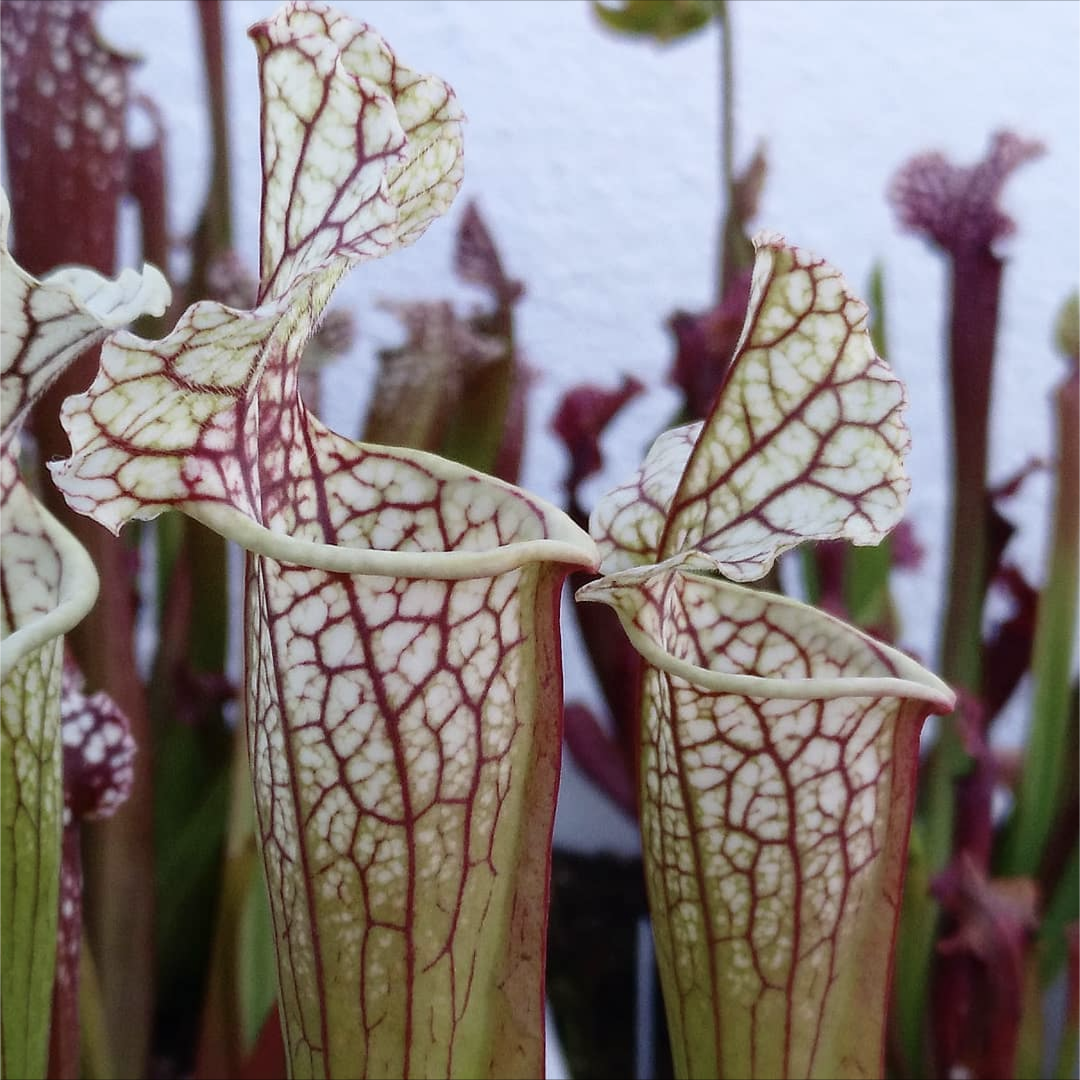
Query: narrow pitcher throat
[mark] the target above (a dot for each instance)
(899, 677)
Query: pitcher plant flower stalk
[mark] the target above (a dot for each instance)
(957, 209)
(779, 746)
(48, 583)
(402, 670)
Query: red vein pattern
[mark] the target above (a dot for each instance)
(359, 153)
(805, 440)
(47, 584)
(779, 746)
(30, 781)
(405, 760)
(774, 830)
(401, 637)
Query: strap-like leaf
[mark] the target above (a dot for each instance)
(804, 442)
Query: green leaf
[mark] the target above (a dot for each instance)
(867, 596)
(1053, 653)
(911, 974)
(878, 325)
(256, 982)
(665, 20)
(188, 859)
(30, 854)
(241, 979)
(1062, 909)
(1067, 329)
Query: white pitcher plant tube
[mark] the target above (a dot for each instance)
(403, 683)
(47, 584)
(778, 745)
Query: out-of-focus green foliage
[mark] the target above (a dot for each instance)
(664, 20)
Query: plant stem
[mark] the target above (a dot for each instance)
(214, 232)
(188, 684)
(976, 291)
(727, 149)
(1044, 779)
(97, 1063)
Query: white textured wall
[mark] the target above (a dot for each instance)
(594, 160)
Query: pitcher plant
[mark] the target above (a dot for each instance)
(778, 745)
(402, 668)
(48, 584)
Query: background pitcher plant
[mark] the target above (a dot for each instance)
(778, 745)
(403, 685)
(48, 584)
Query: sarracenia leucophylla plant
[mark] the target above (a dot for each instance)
(401, 637)
(48, 583)
(779, 746)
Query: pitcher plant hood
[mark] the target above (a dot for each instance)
(778, 745)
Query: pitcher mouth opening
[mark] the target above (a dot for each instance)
(546, 534)
(895, 674)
